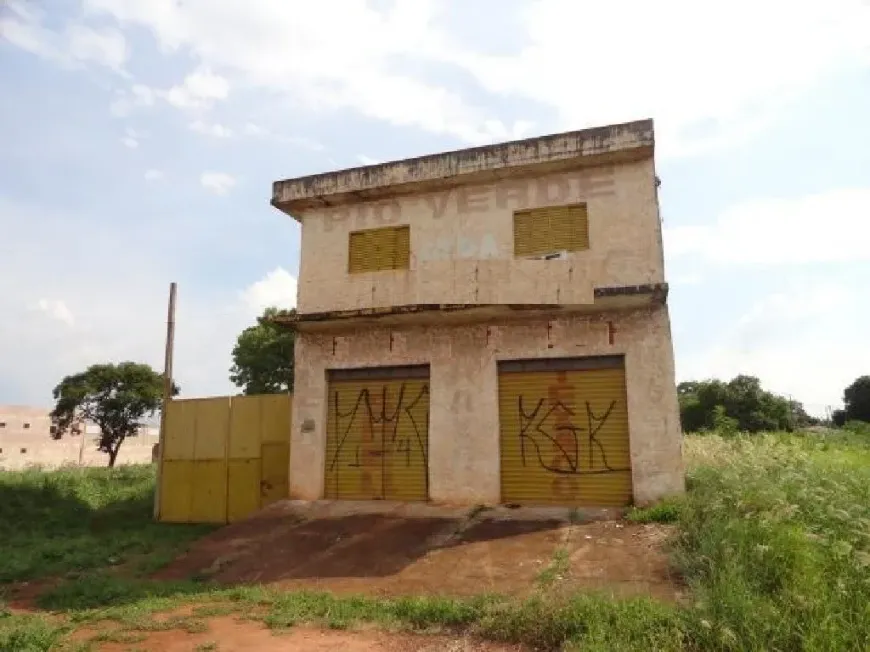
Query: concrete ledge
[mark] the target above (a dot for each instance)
(299, 510)
(657, 291)
(606, 300)
(557, 152)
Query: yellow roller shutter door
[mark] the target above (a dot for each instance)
(564, 433)
(377, 440)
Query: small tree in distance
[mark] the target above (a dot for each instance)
(115, 397)
(263, 356)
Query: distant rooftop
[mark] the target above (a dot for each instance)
(629, 141)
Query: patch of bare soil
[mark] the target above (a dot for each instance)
(389, 555)
(21, 597)
(622, 559)
(227, 634)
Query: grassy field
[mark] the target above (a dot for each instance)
(71, 521)
(773, 539)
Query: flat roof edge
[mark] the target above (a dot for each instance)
(596, 146)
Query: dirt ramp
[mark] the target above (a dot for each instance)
(385, 550)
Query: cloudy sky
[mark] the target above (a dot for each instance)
(139, 139)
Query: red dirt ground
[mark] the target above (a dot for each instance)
(418, 551)
(387, 554)
(228, 634)
(21, 596)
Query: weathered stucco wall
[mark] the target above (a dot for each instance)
(463, 421)
(25, 440)
(18, 452)
(462, 243)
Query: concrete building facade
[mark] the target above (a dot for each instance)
(25, 440)
(486, 326)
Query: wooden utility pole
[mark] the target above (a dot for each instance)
(83, 435)
(167, 392)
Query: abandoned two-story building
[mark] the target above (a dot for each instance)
(486, 326)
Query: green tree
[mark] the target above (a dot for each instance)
(114, 396)
(263, 356)
(800, 417)
(856, 398)
(739, 404)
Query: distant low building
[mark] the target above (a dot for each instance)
(26, 439)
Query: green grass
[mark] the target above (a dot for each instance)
(137, 606)
(206, 647)
(557, 569)
(77, 520)
(773, 539)
(666, 511)
(115, 636)
(29, 633)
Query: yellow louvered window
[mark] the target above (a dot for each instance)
(375, 250)
(540, 231)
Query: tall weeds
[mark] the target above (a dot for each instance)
(775, 541)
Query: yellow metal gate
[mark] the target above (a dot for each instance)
(224, 458)
(564, 432)
(377, 441)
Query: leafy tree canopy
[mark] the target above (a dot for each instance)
(737, 405)
(856, 398)
(114, 396)
(263, 356)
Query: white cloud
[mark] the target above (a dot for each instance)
(196, 93)
(131, 138)
(153, 175)
(806, 340)
(367, 160)
(211, 129)
(57, 310)
(828, 227)
(22, 28)
(675, 60)
(252, 129)
(200, 89)
(124, 311)
(277, 288)
(76, 44)
(219, 183)
(106, 47)
(139, 95)
(321, 59)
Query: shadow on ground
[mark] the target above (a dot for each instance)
(351, 546)
(427, 550)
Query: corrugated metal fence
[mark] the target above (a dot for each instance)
(224, 457)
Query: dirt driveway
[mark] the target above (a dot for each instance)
(384, 549)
